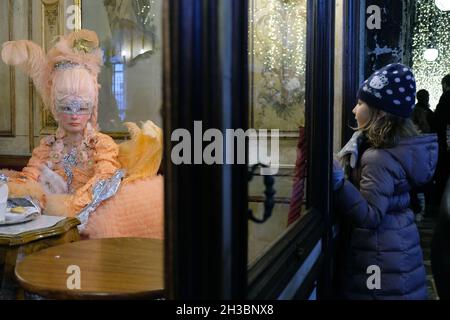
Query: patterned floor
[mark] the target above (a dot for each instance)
(426, 228)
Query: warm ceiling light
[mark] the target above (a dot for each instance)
(443, 5)
(431, 54)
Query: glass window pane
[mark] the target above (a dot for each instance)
(277, 57)
(130, 34)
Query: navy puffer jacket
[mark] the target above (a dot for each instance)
(383, 232)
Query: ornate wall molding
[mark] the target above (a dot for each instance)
(11, 131)
(52, 27)
(78, 21)
(52, 21)
(30, 84)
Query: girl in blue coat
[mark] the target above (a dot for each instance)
(384, 160)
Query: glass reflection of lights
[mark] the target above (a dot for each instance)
(431, 54)
(443, 5)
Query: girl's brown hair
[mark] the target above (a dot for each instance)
(384, 130)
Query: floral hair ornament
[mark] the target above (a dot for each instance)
(84, 45)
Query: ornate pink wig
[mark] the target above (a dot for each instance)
(77, 79)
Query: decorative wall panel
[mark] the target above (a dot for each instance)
(52, 26)
(7, 74)
(277, 39)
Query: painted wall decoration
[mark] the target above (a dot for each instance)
(52, 27)
(277, 42)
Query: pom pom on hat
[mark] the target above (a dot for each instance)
(391, 89)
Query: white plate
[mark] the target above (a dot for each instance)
(16, 218)
(10, 223)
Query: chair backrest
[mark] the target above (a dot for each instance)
(13, 162)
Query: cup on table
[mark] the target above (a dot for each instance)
(2, 212)
(3, 200)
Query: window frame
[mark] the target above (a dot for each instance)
(274, 271)
(208, 259)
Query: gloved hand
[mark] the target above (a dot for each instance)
(351, 148)
(338, 175)
(52, 182)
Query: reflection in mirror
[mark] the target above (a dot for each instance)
(277, 46)
(130, 35)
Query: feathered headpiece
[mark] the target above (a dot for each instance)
(69, 69)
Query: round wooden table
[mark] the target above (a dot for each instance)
(18, 241)
(119, 268)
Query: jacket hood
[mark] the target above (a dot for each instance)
(418, 157)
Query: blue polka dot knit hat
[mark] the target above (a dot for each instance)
(391, 89)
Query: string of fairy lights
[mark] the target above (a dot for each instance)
(431, 32)
(278, 35)
(279, 39)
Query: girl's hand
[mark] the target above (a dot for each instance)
(338, 175)
(351, 148)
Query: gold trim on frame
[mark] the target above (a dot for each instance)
(49, 124)
(78, 17)
(52, 13)
(30, 84)
(52, 26)
(12, 79)
(59, 228)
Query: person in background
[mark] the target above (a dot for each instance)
(422, 115)
(440, 248)
(442, 122)
(385, 158)
(422, 201)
